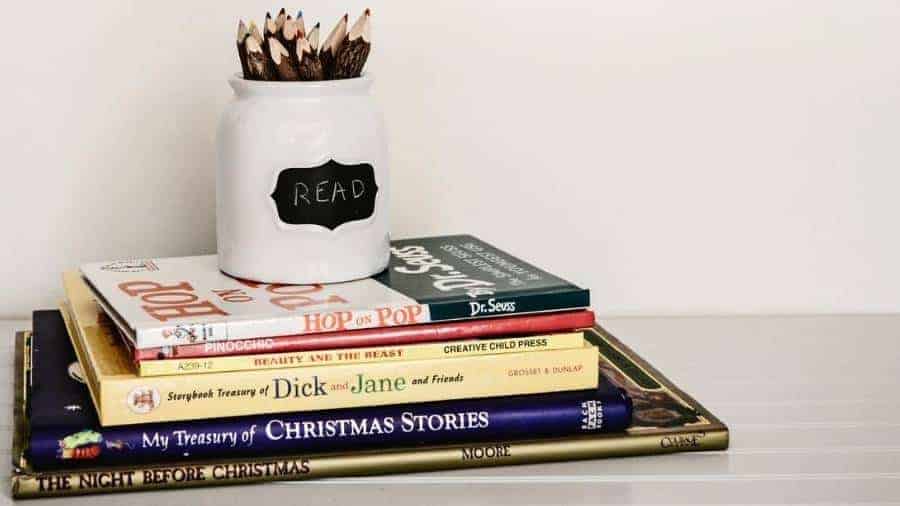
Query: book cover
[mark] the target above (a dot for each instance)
(524, 325)
(122, 397)
(399, 353)
(65, 431)
(176, 301)
(666, 420)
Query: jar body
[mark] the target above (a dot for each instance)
(302, 182)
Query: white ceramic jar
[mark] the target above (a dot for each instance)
(302, 182)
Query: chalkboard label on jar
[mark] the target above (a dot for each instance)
(328, 195)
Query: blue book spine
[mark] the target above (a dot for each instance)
(606, 409)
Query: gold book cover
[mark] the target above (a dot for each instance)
(397, 353)
(666, 420)
(122, 397)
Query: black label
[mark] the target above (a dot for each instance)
(328, 195)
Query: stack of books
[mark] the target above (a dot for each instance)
(166, 373)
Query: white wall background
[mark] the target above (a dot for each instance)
(696, 156)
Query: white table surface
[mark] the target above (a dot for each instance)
(813, 404)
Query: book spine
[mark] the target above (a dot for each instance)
(394, 315)
(482, 307)
(605, 409)
(425, 351)
(391, 315)
(169, 398)
(387, 336)
(29, 485)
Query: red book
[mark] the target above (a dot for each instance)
(385, 336)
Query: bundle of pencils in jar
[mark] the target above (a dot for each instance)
(285, 51)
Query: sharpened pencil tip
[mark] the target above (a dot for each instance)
(368, 11)
(268, 15)
(281, 12)
(299, 14)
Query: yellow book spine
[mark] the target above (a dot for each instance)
(425, 351)
(132, 400)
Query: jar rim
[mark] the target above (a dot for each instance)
(243, 86)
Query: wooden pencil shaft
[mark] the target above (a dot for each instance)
(330, 47)
(301, 26)
(309, 65)
(354, 51)
(260, 65)
(282, 60)
(313, 38)
(254, 32)
(242, 35)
